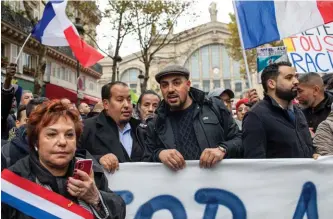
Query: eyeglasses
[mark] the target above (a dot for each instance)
(228, 101)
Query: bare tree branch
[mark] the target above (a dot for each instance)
(99, 46)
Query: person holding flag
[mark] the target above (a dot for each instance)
(55, 29)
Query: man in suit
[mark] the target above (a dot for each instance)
(111, 136)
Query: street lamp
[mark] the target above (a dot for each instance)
(141, 77)
(117, 59)
(80, 30)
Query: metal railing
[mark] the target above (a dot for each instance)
(19, 21)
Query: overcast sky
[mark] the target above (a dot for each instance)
(130, 45)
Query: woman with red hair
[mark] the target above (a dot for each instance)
(53, 130)
(241, 109)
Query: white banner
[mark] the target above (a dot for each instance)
(238, 189)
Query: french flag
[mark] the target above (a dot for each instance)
(37, 201)
(271, 20)
(55, 29)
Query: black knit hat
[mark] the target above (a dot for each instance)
(172, 70)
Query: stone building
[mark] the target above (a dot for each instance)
(200, 49)
(60, 79)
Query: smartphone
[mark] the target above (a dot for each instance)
(83, 165)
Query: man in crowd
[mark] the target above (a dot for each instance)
(7, 95)
(21, 120)
(26, 97)
(84, 109)
(111, 136)
(189, 126)
(329, 87)
(18, 147)
(316, 103)
(226, 95)
(144, 111)
(66, 101)
(274, 128)
(326, 78)
(21, 116)
(147, 104)
(98, 108)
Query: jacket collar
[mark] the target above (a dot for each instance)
(326, 103)
(104, 119)
(273, 102)
(197, 96)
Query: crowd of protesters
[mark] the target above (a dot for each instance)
(41, 138)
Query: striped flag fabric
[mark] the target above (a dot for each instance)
(55, 29)
(271, 20)
(37, 201)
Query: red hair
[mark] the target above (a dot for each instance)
(240, 102)
(48, 113)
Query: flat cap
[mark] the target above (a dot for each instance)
(172, 70)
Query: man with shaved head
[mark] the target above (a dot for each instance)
(316, 103)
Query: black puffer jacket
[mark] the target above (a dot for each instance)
(30, 168)
(213, 125)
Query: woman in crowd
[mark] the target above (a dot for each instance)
(241, 109)
(323, 139)
(53, 129)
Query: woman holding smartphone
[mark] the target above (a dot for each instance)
(53, 130)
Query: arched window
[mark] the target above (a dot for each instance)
(130, 77)
(211, 67)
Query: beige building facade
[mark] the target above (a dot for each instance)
(200, 49)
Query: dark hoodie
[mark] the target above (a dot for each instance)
(16, 149)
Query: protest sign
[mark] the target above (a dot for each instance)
(269, 55)
(312, 50)
(238, 189)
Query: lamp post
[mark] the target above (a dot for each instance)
(141, 78)
(117, 59)
(80, 30)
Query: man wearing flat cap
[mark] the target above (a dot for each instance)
(188, 125)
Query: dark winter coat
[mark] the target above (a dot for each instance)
(101, 136)
(15, 149)
(268, 132)
(213, 125)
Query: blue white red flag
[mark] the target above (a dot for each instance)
(55, 29)
(271, 20)
(37, 201)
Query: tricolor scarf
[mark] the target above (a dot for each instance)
(36, 201)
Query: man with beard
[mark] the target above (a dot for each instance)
(316, 103)
(188, 125)
(111, 136)
(274, 127)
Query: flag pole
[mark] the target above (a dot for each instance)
(25, 42)
(242, 44)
